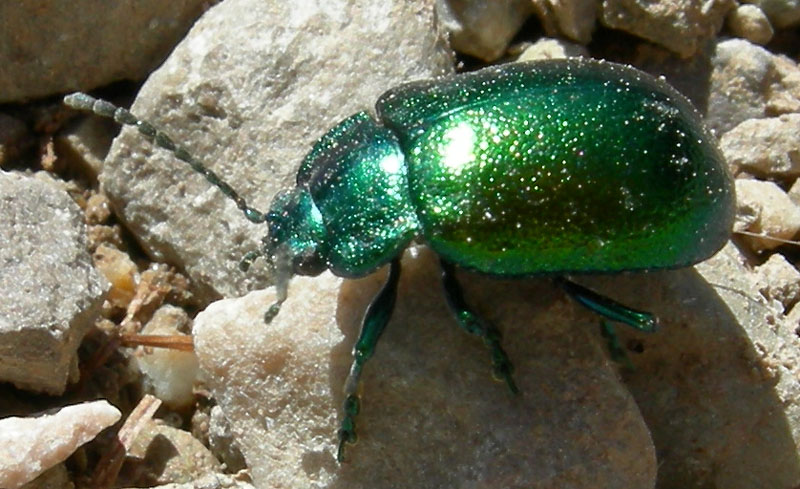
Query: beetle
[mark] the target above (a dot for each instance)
(555, 168)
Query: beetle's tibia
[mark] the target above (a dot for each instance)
(502, 367)
(643, 321)
(87, 103)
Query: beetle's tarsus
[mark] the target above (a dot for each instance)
(347, 432)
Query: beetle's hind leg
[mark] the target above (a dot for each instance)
(641, 320)
(614, 347)
(375, 320)
(474, 324)
(608, 308)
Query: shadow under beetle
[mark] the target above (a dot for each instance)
(552, 167)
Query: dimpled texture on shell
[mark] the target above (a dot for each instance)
(561, 166)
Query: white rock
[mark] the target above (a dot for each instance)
(170, 375)
(552, 49)
(29, 446)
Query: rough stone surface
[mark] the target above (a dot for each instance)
(750, 22)
(764, 208)
(169, 374)
(223, 442)
(680, 26)
(782, 13)
(57, 46)
(552, 49)
(51, 292)
(431, 414)
(779, 281)
(765, 147)
(482, 29)
(55, 477)
(250, 99)
(574, 19)
(720, 393)
(14, 137)
(749, 82)
(162, 454)
(87, 143)
(29, 446)
(212, 481)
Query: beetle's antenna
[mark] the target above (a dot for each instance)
(87, 103)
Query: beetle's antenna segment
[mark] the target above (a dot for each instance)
(87, 103)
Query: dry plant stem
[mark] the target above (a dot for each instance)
(172, 342)
(108, 468)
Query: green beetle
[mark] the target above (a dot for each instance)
(551, 167)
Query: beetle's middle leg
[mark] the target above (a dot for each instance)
(375, 319)
(474, 324)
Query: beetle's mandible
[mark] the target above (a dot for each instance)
(553, 167)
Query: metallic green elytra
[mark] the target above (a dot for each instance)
(554, 167)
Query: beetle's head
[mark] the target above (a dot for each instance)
(296, 238)
(296, 233)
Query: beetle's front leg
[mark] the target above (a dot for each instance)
(474, 324)
(375, 320)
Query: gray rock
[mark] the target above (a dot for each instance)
(62, 45)
(482, 29)
(51, 292)
(681, 27)
(431, 415)
(750, 22)
(250, 99)
(573, 19)
(222, 441)
(212, 481)
(765, 209)
(749, 82)
(721, 415)
(161, 454)
(779, 281)
(765, 147)
(86, 143)
(782, 13)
